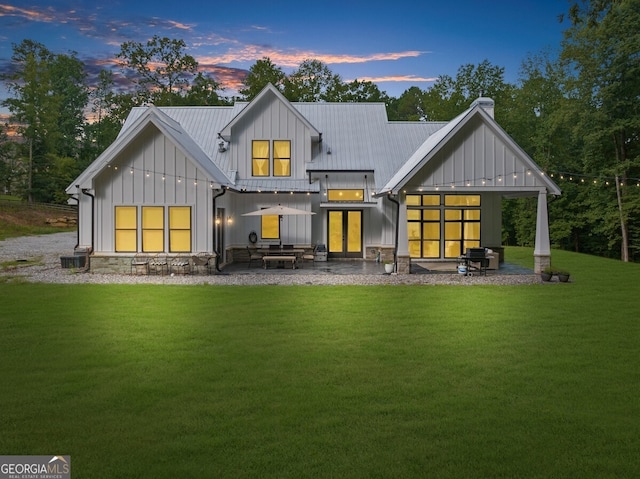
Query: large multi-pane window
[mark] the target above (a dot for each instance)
(442, 225)
(126, 229)
(179, 229)
(261, 158)
(152, 229)
(281, 158)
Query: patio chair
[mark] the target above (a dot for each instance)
(159, 264)
(140, 263)
(201, 260)
(253, 256)
(308, 257)
(180, 264)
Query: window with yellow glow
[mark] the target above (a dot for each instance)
(152, 229)
(423, 200)
(423, 231)
(260, 158)
(270, 227)
(345, 195)
(462, 200)
(442, 226)
(179, 229)
(126, 229)
(281, 158)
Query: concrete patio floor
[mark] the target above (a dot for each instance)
(362, 267)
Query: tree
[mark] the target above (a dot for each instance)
(410, 106)
(160, 69)
(48, 97)
(361, 91)
(10, 166)
(601, 47)
(261, 73)
(313, 81)
(204, 92)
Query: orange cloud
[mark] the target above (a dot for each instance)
(38, 16)
(398, 78)
(281, 58)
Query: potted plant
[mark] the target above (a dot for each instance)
(546, 274)
(563, 276)
(388, 267)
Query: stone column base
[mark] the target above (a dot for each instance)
(540, 262)
(404, 264)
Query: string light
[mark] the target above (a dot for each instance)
(560, 176)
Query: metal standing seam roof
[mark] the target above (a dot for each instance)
(359, 136)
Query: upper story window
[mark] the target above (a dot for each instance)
(345, 195)
(261, 158)
(281, 158)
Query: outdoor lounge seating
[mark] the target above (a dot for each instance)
(253, 255)
(268, 259)
(159, 264)
(200, 261)
(140, 264)
(180, 265)
(308, 257)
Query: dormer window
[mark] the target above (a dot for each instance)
(261, 158)
(281, 158)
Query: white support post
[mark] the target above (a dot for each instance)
(403, 265)
(542, 250)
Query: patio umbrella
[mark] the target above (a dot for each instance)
(280, 211)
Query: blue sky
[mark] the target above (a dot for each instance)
(395, 44)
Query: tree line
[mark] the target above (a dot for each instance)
(574, 110)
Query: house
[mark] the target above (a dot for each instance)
(179, 180)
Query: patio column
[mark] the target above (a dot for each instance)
(542, 250)
(403, 260)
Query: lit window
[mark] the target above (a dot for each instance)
(260, 158)
(270, 227)
(281, 158)
(345, 195)
(179, 229)
(126, 229)
(152, 229)
(442, 229)
(462, 200)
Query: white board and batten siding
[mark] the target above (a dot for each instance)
(272, 122)
(138, 180)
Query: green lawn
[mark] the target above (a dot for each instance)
(156, 381)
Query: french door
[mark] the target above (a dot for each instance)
(345, 233)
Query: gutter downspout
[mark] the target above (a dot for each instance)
(395, 245)
(214, 228)
(77, 200)
(85, 191)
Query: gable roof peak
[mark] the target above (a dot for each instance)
(269, 93)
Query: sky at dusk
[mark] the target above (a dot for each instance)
(396, 44)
